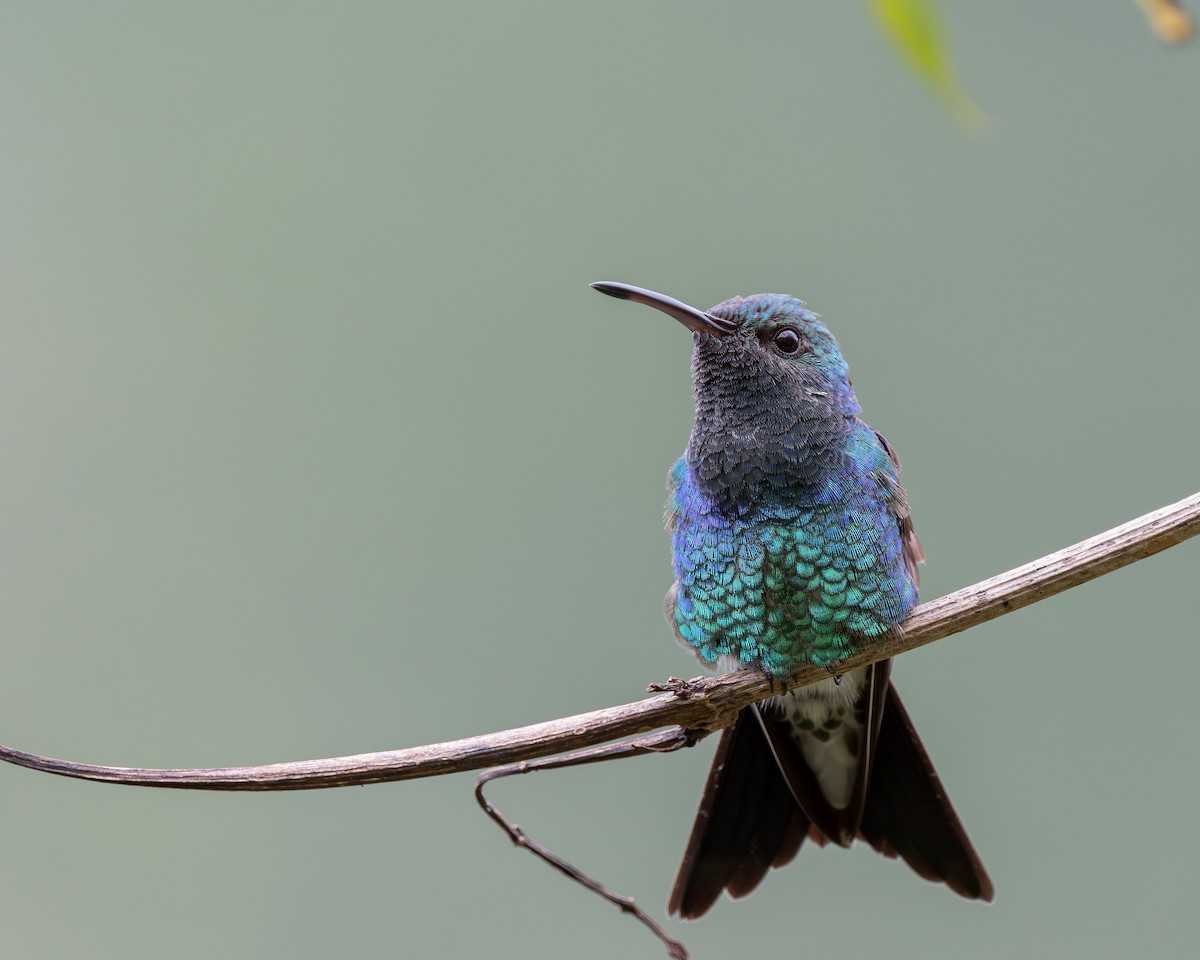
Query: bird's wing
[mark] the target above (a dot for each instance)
(746, 824)
(908, 814)
(898, 500)
(798, 754)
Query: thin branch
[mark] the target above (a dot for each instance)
(665, 742)
(708, 703)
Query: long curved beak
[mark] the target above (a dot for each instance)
(695, 320)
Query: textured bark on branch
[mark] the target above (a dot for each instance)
(708, 703)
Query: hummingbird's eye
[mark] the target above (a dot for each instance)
(788, 341)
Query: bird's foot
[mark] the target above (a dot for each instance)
(683, 689)
(778, 684)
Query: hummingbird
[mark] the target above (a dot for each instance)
(793, 545)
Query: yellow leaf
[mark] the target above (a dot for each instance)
(1168, 19)
(915, 28)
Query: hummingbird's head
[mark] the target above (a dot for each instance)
(780, 334)
(769, 344)
(770, 385)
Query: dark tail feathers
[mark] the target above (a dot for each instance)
(749, 821)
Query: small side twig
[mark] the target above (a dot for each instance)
(665, 741)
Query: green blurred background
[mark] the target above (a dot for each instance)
(314, 441)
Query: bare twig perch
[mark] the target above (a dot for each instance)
(704, 704)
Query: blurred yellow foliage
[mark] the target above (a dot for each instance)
(915, 27)
(1168, 19)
